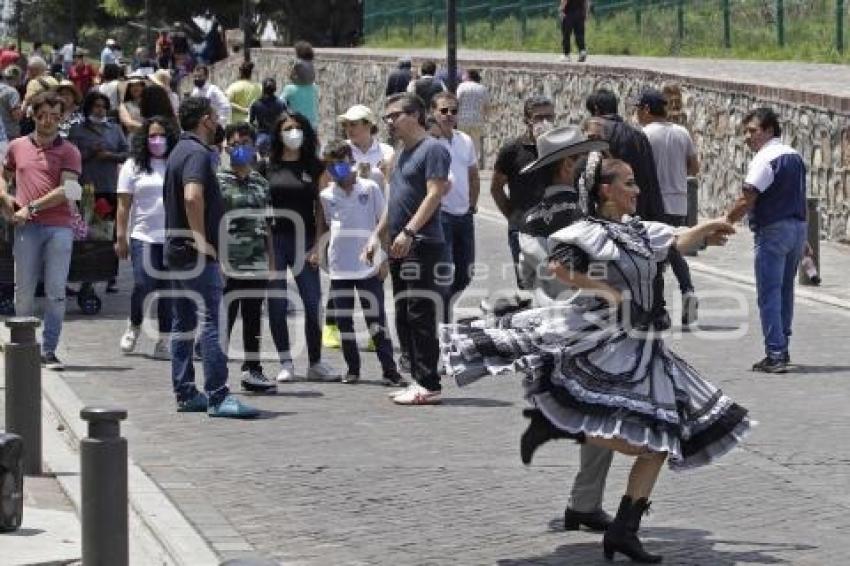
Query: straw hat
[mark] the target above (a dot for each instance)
(66, 84)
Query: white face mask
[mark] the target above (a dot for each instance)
(540, 128)
(292, 138)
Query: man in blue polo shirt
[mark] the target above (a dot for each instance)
(774, 195)
(193, 212)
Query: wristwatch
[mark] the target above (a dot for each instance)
(32, 208)
(408, 232)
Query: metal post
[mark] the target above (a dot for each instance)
(680, 20)
(780, 23)
(246, 30)
(692, 217)
(23, 389)
(19, 6)
(637, 14)
(727, 25)
(812, 237)
(148, 31)
(103, 478)
(839, 25)
(451, 43)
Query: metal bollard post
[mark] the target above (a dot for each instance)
(812, 237)
(692, 217)
(103, 469)
(23, 389)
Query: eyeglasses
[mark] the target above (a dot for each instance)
(445, 111)
(537, 118)
(393, 116)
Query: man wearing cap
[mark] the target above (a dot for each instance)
(524, 189)
(561, 151)
(460, 204)
(675, 158)
(110, 54)
(399, 78)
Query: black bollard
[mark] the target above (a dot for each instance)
(23, 389)
(692, 217)
(103, 471)
(813, 238)
(11, 482)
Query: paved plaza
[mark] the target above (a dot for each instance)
(335, 474)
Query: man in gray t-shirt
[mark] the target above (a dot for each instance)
(417, 185)
(675, 158)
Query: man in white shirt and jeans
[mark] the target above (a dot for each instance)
(459, 205)
(675, 158)
(205, 89)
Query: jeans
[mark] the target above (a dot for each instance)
(677, 262)
(43, 252)
(309, 288)
(416, 296)
(778, 250)
(371, 294)
(459, 235)
(188, 310)
(572, 22)
(146, 258)
(252, 316)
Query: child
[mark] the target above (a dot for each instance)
(351, 210)
(301, 94)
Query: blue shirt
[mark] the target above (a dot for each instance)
(778, 173)
(409, 185)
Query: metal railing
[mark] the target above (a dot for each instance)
(782, 20)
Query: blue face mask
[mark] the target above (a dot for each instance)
(242, 155)
(340, 171)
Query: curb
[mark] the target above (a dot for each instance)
(159, 533)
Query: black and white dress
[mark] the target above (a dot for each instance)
(602, 371)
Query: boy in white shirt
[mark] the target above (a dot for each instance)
(351, 210)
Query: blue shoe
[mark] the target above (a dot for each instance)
(196, 404)
(232, 408)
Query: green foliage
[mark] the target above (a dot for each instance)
(809, 32)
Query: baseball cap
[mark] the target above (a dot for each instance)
(651, 97)
(111, 42)
(357, 113)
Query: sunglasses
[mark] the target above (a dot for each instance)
(446, 111)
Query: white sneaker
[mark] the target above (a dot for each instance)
(417, 395)
(582, 56)
(160, 350)
(322, 372)
(130, 338)
(690, 308)
(565, 59)
(287, 373)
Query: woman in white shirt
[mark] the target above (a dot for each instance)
(141, 226)
(373, 158)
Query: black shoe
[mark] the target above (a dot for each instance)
(773, 365)
(111, 286)
(597, 521)
(540, 430)
(621, 535)
(392, 378)
(255, 381)
(50, 361)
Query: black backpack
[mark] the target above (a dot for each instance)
(426, 88)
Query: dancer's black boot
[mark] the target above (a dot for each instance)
(540, 431)
(622, 537)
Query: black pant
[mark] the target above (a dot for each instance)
(370, 291)
(573, 22)
(252, 311)
(677, 262)
(417, 297)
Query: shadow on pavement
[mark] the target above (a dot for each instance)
(309, 394)
(474, 402)
(22, 532)
(691, 546)
(85, 369)
(799, 368)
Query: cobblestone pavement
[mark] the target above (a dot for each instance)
(335, 474)
(822, 78)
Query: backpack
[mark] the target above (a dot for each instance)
(426, 88)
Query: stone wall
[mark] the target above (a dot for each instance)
(714, 110)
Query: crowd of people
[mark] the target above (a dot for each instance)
(595, 213)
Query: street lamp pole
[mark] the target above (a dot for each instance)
(148, 36)
(246, 30)
(451, 43)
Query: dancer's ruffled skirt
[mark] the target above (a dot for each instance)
(587, 374)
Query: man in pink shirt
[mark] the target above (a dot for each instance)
(41, 164)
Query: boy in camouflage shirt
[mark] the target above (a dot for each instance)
(245, 258)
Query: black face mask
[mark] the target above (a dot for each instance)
(200, 83)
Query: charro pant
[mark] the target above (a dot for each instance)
(43, 251)
(589, 483)
(677, 262)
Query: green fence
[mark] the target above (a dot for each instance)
(720, 23)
